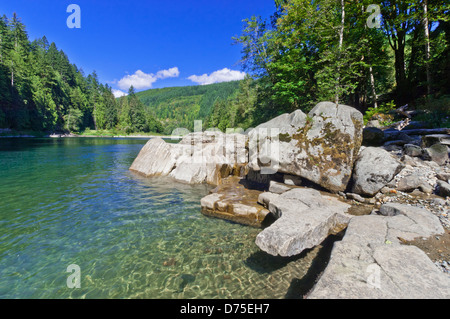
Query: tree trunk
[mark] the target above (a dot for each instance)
(341, 43)
(400, 74)
(372, 85)
(427, 45)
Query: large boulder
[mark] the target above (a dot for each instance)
(320, 147)
(157, 158)
(199, 157)
(373, 170)
(305, 219)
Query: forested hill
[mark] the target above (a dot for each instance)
(180, 106)
(41, 90)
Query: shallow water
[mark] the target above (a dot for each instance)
(74, 201)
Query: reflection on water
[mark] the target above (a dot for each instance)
(73, 201)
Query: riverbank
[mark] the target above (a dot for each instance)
(314, 170)
(9, 133)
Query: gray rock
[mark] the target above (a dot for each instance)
(443, 177)
(369, 264)
(157, 158)
(278, 188)
(320, 147)
(197, 158)
(306, 218)
(373, 136)
(411, 182)
(374, 123)
(409, 222)
(429, 140)
(266, 197)
(292, 180)
(356, 197)
(438, 201)
(437, 153)
(412, 150)
(374, 169)
(444, 188)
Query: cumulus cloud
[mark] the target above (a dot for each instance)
(141, 80)
(170, 73)
(118, 93)
(224, 75)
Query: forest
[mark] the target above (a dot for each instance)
(373, 55)
(370, 54)
(179, 107)
(40, 90)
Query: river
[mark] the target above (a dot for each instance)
(73, 201)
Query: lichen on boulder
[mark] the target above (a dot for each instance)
(321, 146)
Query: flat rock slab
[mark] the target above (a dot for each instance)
(371, 263)
(235, 202)
(305, 219)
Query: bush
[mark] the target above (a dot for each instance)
(380, 113)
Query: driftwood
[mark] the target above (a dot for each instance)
(394, 134)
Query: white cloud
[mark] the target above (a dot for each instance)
(140, 80)
(118, 93)
(170, 73)
(224, 75)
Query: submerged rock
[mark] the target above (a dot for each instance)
(233, 201)
(321, 146)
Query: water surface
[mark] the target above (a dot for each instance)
(74, 201)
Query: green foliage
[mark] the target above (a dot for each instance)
(41, 90)
(436, 111)
(309, 54)
(179, 107)
(384, 108)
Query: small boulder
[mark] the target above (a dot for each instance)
(437, 153)
(429, 140)
(372, 136)
(411, 182)
(444, 188)
(412, 150)
(374, 169)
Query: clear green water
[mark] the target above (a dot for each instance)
(74, 201)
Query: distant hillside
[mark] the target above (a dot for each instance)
(180, 106)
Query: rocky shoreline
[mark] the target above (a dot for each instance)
(301, 177)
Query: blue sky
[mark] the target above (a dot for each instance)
(157, 43)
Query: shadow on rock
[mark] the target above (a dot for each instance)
(300, 287)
